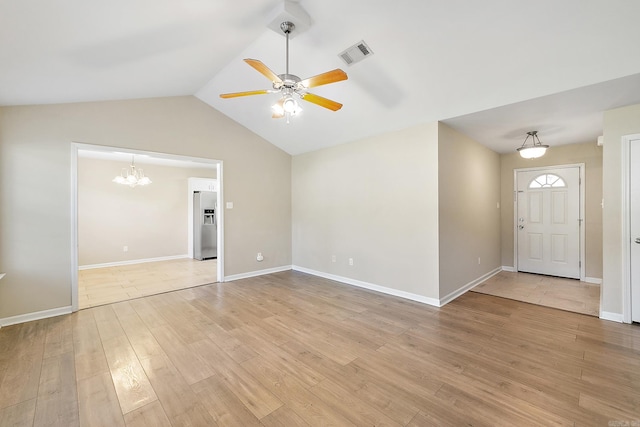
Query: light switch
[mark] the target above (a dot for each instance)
(229, 205)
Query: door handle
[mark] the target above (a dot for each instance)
(521, 227)
(638, 240)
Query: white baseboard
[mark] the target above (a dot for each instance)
(614, 317)
(593, 280)
(370, 286)
(508, 268)
(455, 294)
(22, 318)
(256, 273)
(131, 262)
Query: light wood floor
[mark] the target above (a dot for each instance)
(289, 349)
(556, 292)
(99, 286)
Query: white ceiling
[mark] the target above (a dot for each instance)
(492, 69)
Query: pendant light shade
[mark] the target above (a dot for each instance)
(132, 176)
(535, 149)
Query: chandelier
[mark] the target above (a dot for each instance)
(132, 176)
(535, 149)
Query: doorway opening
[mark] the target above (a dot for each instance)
(132, 242)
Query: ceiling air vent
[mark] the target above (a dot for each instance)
(356, 53)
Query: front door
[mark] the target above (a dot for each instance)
(548, 221)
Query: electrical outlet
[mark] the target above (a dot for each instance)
(350, 261)
(333, 258)
(259, 257)
(478, 260)
(125, 249)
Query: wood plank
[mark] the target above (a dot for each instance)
(131, 383)
(284, 360)
(249, 391)
(107, 323)
(193, 367)
(22, 375)
(307, 405)
(57, 392)
(178, 400)
(19, 415)
(98, 403)
(140, 337)
(150, 415)
(283, 417)
(87, 346)
(224, 406)
(609, 410)
(350, 406)
(59, 336)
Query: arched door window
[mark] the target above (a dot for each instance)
(547, 180)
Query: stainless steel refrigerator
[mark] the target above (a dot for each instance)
(205, 225)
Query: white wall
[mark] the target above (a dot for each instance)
(152, 220)
(617, 123)
(35, 183)
(376, 201)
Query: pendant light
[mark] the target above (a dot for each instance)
(535, 149)
(132, 176)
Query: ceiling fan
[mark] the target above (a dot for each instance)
(291, 86)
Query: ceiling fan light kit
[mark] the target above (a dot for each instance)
(290, 86)
(535, 149)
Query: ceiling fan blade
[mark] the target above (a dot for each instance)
(247, 93)
(264, 70)
(323, 102)
(332, 76)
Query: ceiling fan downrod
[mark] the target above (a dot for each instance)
(287, 27)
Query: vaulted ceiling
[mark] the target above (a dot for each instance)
(492, 69)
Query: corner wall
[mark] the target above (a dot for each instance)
(376, 201)
(469, 216)
(617, 123)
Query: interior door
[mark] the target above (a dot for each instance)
(634, 226)
(548, 221)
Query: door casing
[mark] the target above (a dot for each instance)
(627, 140)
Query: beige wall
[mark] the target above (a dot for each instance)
(469, 218)
(151, 220)
(376, 201)
(589, 154)
(35, 179)
(617, 123)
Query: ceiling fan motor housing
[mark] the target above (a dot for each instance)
(289, 81)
